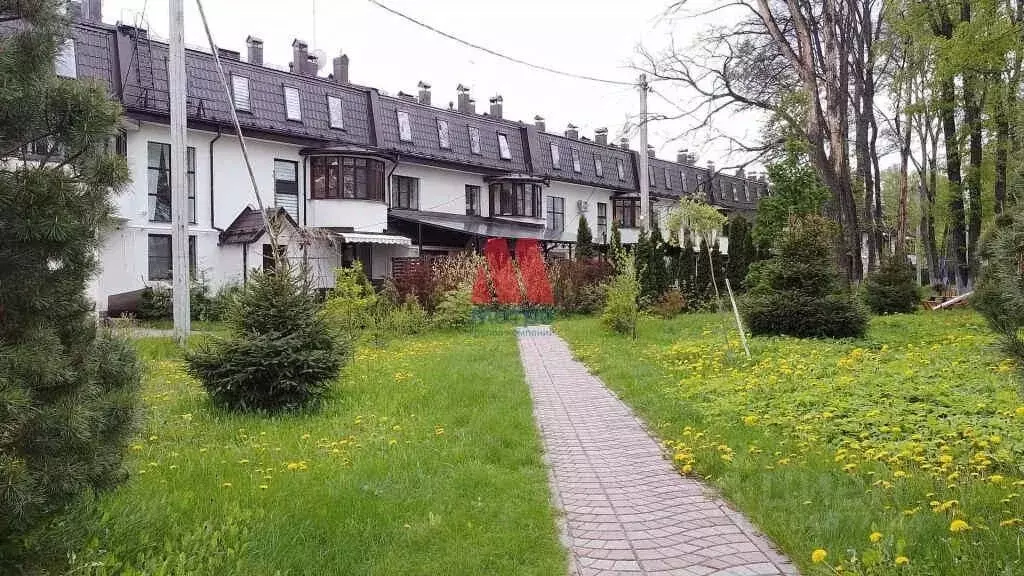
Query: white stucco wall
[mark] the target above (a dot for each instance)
(574, 194)
(443, 190)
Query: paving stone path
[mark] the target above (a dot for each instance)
(627, 510)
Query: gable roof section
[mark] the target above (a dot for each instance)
(249, 225)
(588, 150)
(146, 90)
(425, 144)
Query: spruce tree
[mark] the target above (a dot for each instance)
(584, 241)
(68, 391)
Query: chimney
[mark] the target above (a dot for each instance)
(496, 106)
(572, 132)
(405, 96)
(300, 57)
(226, 54)
(650, 151)
(624, 143)
(601, 136)
(424, 92)
(341, 69)
(683, 156)
(711, 168)
(255, 50)
(472, 106)
(465, 102)
(740, 173)
(312, 65)
(538, 121)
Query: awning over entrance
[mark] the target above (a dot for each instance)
(371, 238)
(476, 225)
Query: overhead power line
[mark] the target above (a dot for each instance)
(499, 54)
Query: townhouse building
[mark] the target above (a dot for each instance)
(357, 175)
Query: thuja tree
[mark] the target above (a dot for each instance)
(615, 250)
(652, 271)
(742, 252)
(705, 221)
(68, 392)
(584, 240)
(798, 291)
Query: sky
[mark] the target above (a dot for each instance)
(597, 38)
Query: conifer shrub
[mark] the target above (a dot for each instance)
(455, 309)
(999, 295)
(279, 353)
(69, 393)
(892, 289)
(584, 240)
(798, 292)
(621, 310)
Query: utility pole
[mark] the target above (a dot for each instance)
(179, 188)
(645, 189)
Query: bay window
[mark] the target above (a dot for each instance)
(346, 177)
(516, 199)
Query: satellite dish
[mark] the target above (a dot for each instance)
(321, 59)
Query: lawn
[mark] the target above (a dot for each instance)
(897, 454)
(424, 461)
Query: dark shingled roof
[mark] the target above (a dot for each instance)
(249, 226)
(587, 150)
(134, 68)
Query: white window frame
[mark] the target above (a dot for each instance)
(668, 179)
(293, 113)
(444, 134)
(66, 65)
(335, 111)
(474, 140)
(556, 156)
(598, 166)
(504, 150)
(620, 166)
(577, 163)
(404, 126)
(240, 87)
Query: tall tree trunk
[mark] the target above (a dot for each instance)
(972, 122)
(957, 235)
(1002, 120)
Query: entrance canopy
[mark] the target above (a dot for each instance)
(476, 226)
(373, 238)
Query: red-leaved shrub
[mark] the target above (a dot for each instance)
(534, 273)
(506, 288)
(481, 289)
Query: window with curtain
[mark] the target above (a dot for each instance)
(556, 213)
(159, 182)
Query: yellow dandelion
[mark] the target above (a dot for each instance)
(902, 560)
(136, 447)
(264, 486)
(750, 420)
(995, 479)
(945, 458)
(226, 485)
(818, 556)
(875, 537)
(959, 526)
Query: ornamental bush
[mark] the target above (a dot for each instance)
(455, 309)
(579, 287)
(999, 295)
(279, 353)
(892, 289)
(797, 292)
(621, 309)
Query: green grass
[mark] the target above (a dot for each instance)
(425, 460)
(822, 443)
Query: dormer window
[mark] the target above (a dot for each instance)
(651, 179)
(682, 181)
(443, 137)
(292, 104)
(503, 149)
(577, 165)
(404, 127)
(621, 167)
(474, 140)
(668, 180)
(598, 167)
(556, 157)
(334, 110)
(240, 92)
(66, 65)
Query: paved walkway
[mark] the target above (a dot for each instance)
(627, 510)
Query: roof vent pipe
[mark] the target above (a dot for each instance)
(601, 136)
(624, 143)
(538, 121)
(572, 132)
(464, 100)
